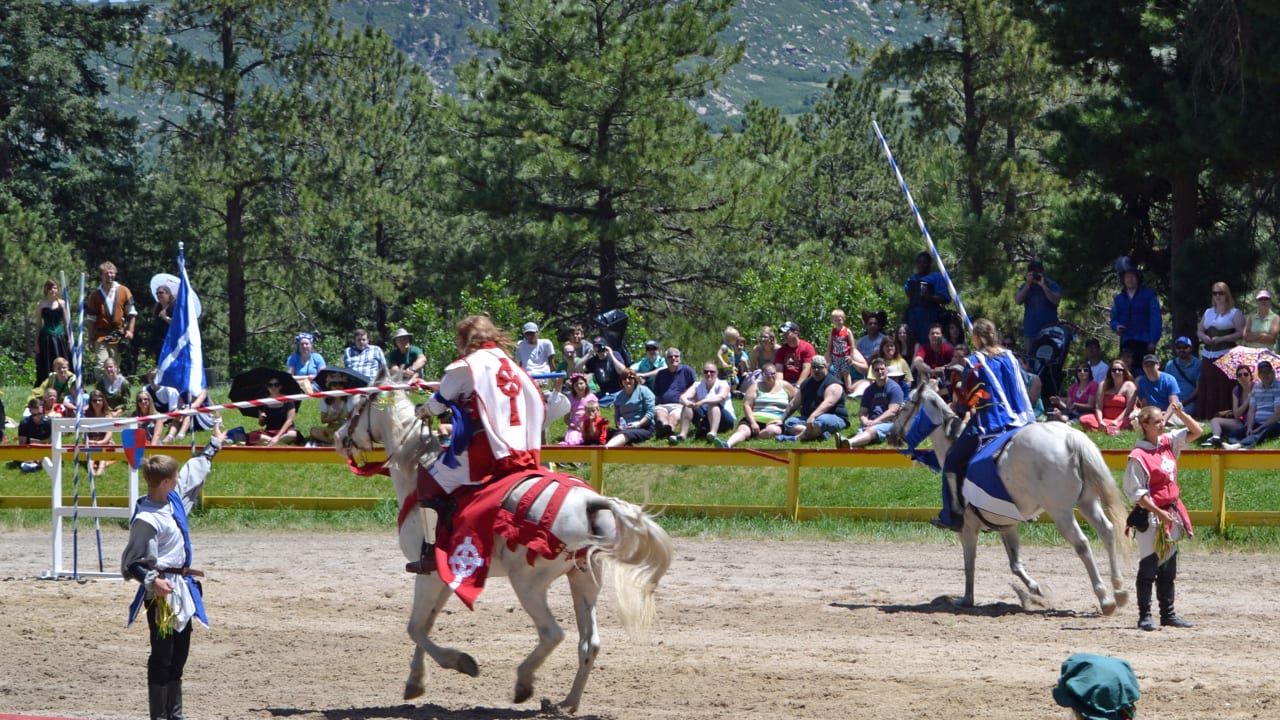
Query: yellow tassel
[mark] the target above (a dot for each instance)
(166, 618)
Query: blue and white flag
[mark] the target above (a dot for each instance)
(182, 358)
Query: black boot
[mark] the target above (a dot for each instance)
(175, 700)
(1164, 592)
(1146, 576)
(444, 507)
(158, 701)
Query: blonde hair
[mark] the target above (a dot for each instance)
(158, 468)
(1146, 413)
(477, 330)
(60, 363)
(1226, 294)
(838, 313)
(731, 336)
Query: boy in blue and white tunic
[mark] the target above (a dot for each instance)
(158, 555)
(994, 395)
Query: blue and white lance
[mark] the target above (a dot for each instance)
(933, 249)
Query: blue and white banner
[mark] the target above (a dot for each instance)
(181, 357)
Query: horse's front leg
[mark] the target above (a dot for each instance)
(969, 541)
(429, 597)
(530, 585)
(584, 585)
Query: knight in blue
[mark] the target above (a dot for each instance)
(993, 398)
(158, 556)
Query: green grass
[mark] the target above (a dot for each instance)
(682, 485)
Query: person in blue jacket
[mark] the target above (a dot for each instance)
(1135, 314)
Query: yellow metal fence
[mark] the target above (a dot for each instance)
(794, 460)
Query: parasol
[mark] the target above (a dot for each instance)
(1241, 356)
(252, 385)
(348, 378)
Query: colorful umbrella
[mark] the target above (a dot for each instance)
(1241, 356)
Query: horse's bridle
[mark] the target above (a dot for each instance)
(353, 451)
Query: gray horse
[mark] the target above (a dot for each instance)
(1049, 467)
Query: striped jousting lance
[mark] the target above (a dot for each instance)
(964, 316)
(278, 401)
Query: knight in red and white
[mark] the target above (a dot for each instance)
(497, 408)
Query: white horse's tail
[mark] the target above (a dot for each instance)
(641, 555)
(1097, 477)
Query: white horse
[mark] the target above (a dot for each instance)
(598, 526)
(1049, 466)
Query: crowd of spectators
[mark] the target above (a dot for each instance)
(788, 391)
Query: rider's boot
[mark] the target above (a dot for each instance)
(952, 515)
(1164, 593)
(426, 564)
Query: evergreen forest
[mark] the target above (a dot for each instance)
(550, 160)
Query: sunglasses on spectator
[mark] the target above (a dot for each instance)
(273, 383)
(708, 372)
(1218, 292)
(1119, 370)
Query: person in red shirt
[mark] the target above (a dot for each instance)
(595, 427)
(794, 355)
(933, 357)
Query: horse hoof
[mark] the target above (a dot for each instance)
(1109, 608)
(523, 692)
(1122, 598)
(467, 666)
(414, 690)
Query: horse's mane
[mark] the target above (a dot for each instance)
(411, 446)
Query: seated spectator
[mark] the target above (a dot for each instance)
(35, 426)
(906, 341)
(668, 385)
(724, 354)
(404, 355)
(1231, 423)
(143, 406)
(595, 427)
(579, 397)
(708, 404)
(1185, 369)
(1079, 399)
(820, 404)
(1263, 418)
(765, 348)
(98, 408)
(869, 344)
(1114, 402)
(894, 360)
(607, 367)
(304, 363)
(648, 366)
(578, 338)
(932, 357)
(52, 407)
(165, 399)
(633, 411)
(114, 387)
(178, 429)
(60, 380)
(1155, 387)
(764, 405)
(277, 422)
(1262, 327)
(881, 402)
(363, 358)
(793, 355)
(535, 354)
(1035, 387)
(953, 373)
(334, 411)
(1093, 358)
(568, 363)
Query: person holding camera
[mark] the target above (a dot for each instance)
(1039, 297)
(607, 367)
(113, 314)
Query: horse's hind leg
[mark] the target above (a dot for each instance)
(584, 585)
(1097, 517)
(429, 597)
(531, 586)
(1066, 522)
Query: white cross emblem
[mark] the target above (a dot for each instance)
(465, 560)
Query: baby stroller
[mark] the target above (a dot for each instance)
(613, 327)
(1048, 353)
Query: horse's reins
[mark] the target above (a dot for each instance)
(357, 453)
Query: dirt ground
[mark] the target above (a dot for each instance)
(311, 626)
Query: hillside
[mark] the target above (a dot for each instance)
(793, 46)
